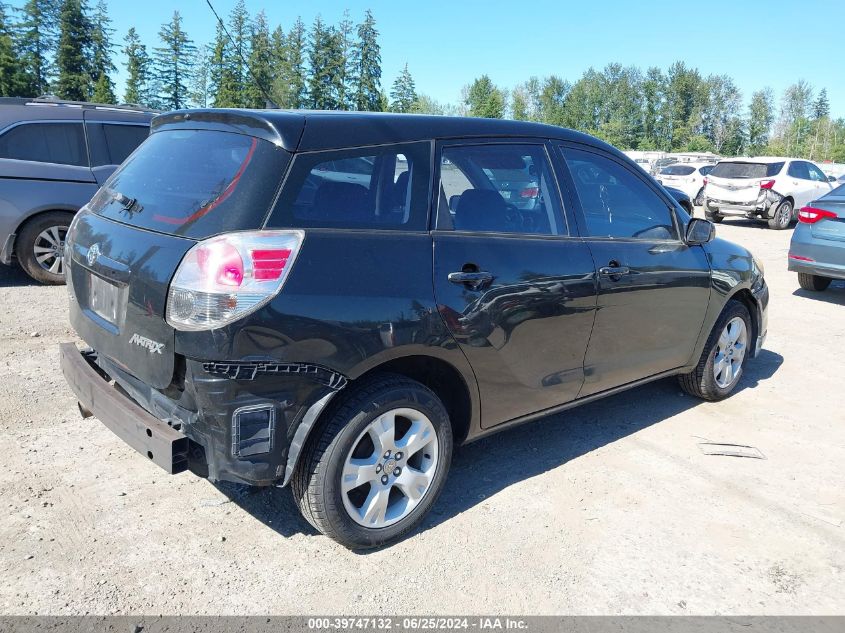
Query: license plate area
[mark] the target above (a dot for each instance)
(106, 300)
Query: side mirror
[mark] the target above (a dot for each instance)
(700, 231)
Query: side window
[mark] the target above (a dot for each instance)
(498, 188)
(615, 201)
(705, 170)
(384, 187)
(816, 173)
(112, 143)
(62, 143)
(798, 169)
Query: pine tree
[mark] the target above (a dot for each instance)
(102, 66)
(200, 85)
(72, 56)
(366, 61)
(345, 90)
(261, 64)
(403, 95)
(220, 72)
(12, 82)
(821, 106)
(37, 37)
(174, 61)
(295, 75)
(138, 67)
(326, 63)
(238, 52)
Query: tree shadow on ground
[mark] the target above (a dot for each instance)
(486, 467)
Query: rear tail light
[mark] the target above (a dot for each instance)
(224, 278)
(529, 192)
(704, 180)
(800, 258)
(767, 184)
(811, 215)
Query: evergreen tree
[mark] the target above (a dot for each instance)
(37, 37)
(366, 63)
(222, 80)
(173, 61)
(403, 95)
(72, 56)
(12, 82)
(346, 71)
(821, 107)
(326, 64)
(238, 52)
(102, 66)
(200, 85)
(294, 73)
(261, 63)
(138, 66)
(484, 99)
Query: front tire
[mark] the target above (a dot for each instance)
(783, 216)
(720, 367)
(376, 466)
(40, 247)
(816, 283)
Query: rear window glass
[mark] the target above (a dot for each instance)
(60, 143)
(677, 170)
(373, 187)
(194, 183)
(746, 170)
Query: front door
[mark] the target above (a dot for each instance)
(514, 288)
(653, 289)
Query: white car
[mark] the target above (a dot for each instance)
(688, 177)
(770, 188)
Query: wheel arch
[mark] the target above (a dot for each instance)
(439, 375)
(37, 213)
(746, 298)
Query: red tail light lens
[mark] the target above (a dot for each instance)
(767, 184)
(811, 215)
(224, 278)
(800, 258)
(529, 192)
(704, 180)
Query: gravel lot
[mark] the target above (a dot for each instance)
(609, 508)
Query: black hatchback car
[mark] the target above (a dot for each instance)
(335, 300)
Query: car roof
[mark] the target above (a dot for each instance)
(17, 109)
(695, 164)
(310, 130)
(758, 159)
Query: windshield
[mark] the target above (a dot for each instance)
(194, 183)
(746, 170)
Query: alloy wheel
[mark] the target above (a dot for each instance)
(390, 468)
(49, 249)
(730, 352)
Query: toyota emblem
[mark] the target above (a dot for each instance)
(93, 254)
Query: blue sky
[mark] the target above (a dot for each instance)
(448, 43)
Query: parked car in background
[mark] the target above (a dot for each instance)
(344, 341)
(688, 177)
(54, 155)
(682, 198)
(817, 249)
(658, 165)
(767, 188)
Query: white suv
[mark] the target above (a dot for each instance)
(688, 177)
(767, 187)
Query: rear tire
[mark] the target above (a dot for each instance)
(815, 283)
(721, 349)
(783, 216)
(352, 446)
(40, 247)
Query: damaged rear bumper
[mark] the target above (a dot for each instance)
(244, 422)
(765, 205)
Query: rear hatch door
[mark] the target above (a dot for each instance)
(739, 182)
(179, 187)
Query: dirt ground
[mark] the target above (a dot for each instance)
(611, 508)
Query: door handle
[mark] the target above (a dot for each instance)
(614, 271)
(471, 278)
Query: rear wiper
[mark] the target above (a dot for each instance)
(125, 201)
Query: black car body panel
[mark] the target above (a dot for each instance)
(546, 328)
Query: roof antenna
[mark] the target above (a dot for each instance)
(269, 103)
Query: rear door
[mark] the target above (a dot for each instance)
(800, 186)
(515, 288)
(820, 181)
(653, 289)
